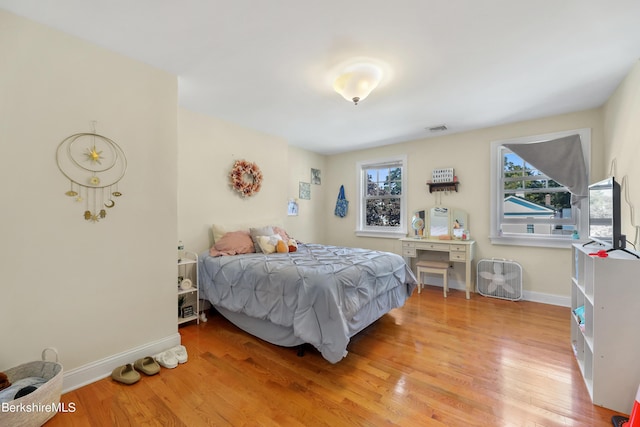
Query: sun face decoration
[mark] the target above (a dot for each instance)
(93, 155)
(94, 165)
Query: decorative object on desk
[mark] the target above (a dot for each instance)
(458, 234)
(315, 177)
(304, 190)
(500, 278)
(342, 204)
(246, 178)
(292, 208)
(94, 165)
(417, 224)
(442, 175)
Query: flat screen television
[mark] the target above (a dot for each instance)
(604, 214)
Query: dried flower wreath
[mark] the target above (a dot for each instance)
(246, 178)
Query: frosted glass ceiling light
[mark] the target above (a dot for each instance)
(357, 81)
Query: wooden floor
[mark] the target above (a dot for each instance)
(434, 362)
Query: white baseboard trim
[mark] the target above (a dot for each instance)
(564, 301)
(547, 298)
(94, 371)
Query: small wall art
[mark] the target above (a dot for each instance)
(315, 176)
(292, 208)
(305, 191)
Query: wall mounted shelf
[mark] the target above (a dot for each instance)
(443, 186)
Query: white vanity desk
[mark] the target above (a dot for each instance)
(458, 251)
(447, 233)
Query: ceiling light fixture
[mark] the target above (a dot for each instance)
(357, 80)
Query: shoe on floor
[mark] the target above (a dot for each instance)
(619, 420)
(180, 352)
(125, 374)
(167, 359)
(147, 365)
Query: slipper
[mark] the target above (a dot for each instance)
(619, 420)
(125, 374)
(181, 353)
(147, 365)
(166, 359)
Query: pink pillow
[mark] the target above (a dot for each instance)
(233, 243)
(282, 233)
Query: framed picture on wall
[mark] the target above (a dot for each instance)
(315, 176)
(305, 191)
(292, 208)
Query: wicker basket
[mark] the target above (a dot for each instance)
(35, 408)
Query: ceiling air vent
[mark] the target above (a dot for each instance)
(440, 128)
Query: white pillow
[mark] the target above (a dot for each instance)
(268, 244)
(262, 231)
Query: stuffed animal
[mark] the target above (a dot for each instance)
(293, 245)
(281, 247)
(4, 381)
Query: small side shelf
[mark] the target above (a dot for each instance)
(190, 297)
(443, 186)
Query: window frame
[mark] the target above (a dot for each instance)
(497, 195)
(362, 230)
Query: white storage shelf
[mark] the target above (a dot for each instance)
(607, 346)
(188, 269)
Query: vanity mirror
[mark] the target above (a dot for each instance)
(445, 223)
(439, 222)
(459, 224)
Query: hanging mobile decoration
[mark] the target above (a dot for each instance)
(94, 165)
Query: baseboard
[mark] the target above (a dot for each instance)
(564, 301)
(547, 298)
(94, 371)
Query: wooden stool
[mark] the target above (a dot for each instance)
(434, 267)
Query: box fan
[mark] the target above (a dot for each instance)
(500, 278)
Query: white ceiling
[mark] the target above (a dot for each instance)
(468, 64)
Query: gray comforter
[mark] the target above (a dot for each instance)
(319, 291)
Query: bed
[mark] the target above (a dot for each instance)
(321, 295)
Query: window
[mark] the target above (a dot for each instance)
(382, 204)
(529, 206)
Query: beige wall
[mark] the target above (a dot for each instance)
(208, 149)
(469, 154)
(309, 225)
(622, 133)
(89, 289)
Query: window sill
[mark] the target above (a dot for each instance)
(382, 234)
(545, 242)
